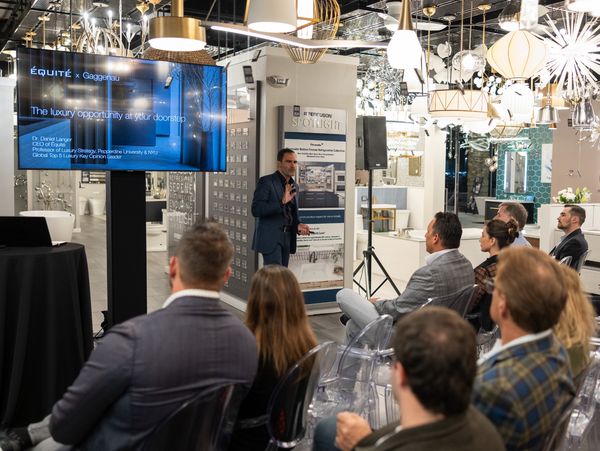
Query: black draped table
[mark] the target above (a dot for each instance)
(45, 328)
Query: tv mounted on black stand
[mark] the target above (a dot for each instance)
(80, 111)
(91, 112)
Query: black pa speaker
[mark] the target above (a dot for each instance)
(371, 142)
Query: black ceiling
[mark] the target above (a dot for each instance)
(17, 17)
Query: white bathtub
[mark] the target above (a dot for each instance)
(60, 223)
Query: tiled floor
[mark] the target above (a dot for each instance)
(93, 237)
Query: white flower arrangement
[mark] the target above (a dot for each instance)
(568, 196)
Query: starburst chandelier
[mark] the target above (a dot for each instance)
(574, 54)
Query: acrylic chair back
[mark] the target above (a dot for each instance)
(288, 408)
(375, 336)
(566, 260)
(460, 301)
(579, 426)
(582, 260)
(203, 423)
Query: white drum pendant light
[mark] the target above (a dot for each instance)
(582, 6)
(404, 50)
(271, 16)
(519, 55)
(455, 105)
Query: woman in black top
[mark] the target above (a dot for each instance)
(276, 315)
(495, 236)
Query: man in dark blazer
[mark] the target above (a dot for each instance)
(142, 370)
(446, 271)
(431, 378)
(573, 244)
(275, 208)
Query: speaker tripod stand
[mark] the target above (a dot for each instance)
(365, 267)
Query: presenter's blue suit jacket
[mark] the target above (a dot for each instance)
(268, 211)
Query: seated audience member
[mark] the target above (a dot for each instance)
(573, 244)
(432, 378)
(516, 211)
(143, 369)
(524, 383)
(577, 323)
(446, 271)
(495, 236)
(276, 315)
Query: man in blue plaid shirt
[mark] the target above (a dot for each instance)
(524, 383)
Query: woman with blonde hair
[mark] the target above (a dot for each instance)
(577, 323)
(276, 316)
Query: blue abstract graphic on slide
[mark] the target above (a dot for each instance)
(94, 112)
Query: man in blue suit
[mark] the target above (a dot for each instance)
(276, 211)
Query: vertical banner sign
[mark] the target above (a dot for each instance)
(318, 136)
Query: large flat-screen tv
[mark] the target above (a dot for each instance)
(95, 112)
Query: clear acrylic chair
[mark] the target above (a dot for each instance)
(579, 426)
(203, 423)
(485, 340)
(289, 408)
(566, 260)
(582, 260)
(350, 387)
(460, 301)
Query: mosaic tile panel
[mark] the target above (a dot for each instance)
(537, 191)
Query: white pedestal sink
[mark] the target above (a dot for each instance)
(60, 223)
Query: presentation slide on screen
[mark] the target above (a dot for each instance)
(83, 111)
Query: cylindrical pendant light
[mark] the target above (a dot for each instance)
(583, 116)
(582, 6)
(404, 50)
(529, 14)
(272, 16)
(176, 32)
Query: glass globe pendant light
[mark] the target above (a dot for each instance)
(404, 50)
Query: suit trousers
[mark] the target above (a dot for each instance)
(360, 310)
(281, 254)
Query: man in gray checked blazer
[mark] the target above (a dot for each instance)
(446, 272)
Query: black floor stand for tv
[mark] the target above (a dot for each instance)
(369, 254)
(126, 245)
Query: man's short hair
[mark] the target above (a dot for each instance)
(282, 153)
(576, 210)
(437, 349)
(447, 226)
(531, 282)
(204, 253)
(517, 211)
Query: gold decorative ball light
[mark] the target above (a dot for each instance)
(317, 19)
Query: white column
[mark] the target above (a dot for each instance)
(7, 155)
(434, 168)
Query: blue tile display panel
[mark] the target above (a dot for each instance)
(537, 191)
